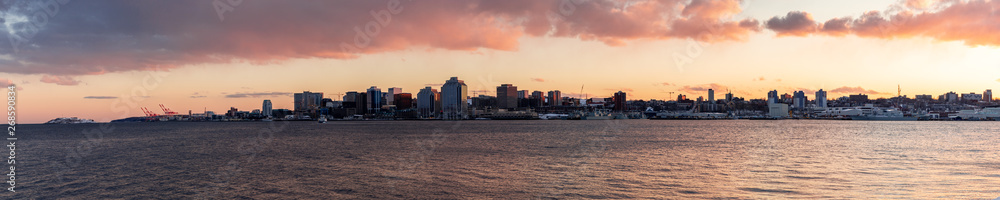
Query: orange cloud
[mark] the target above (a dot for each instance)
(855, 90)
(60, 80)
(537, 79)
(973, 22)
(117, 36)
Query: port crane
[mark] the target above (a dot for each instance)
(167, 111)
(148, 113)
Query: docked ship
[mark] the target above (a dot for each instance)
(880, 114)
(989, 114)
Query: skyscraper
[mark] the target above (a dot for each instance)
(555, 98)
(620, 99)
(307, 102)
(403, 101)
(799, 100)
(507, 96)
(538, 99)
(390, 95)
(375, 99)
(428, 102)
(711, 96)
(729, 96)
(522, 94)
(772, 96)
(265, 110)
(988, 95)
(454, 99)
(821, 98)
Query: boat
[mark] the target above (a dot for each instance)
(880, 114)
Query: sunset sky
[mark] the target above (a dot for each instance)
(104, 59)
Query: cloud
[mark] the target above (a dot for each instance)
(100, 97)
(6, 82)
(621, 89)
(434, 84)
(795, 23)
(703, 89)
(759, 79)
(855, 90)
(973, 22)
(537, 79)
(120, 35)
(257, 94)
(60, 80)
(667, 84)
(198, 96)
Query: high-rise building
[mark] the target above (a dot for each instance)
(375, 99)
(403, 101)
(711, 96)
(620, 99)
(799, 100)
(772, 97)
(265, 110)
(821, 98)
(926, 97)
(729, 96)
(522, 94)
(858, 98)
(681, 97)
(428, 102)
(972, 97)
(362, 105)
(537, 99)
(950, 97)
(988, 95)
(555, 98)
(390, 95)
(454, 99)
(307, 102)
(507, 96)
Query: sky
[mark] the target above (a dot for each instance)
(105, 60)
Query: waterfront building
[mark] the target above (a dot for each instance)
(821, 98)
(988, 95)
(307, 102)
(555, 98)
(772, 96)
(620, 99)
(454, 99)
(390, 95)
(403, 101)
(799, 100)
(266, 108)
(375, 99)
(950, 97)
(507, 96)
(428, 102)
(711, 96)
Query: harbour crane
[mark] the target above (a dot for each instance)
(167, 111)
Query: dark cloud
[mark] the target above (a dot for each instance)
(836, 26)
(97, 37)
(257, 94)
(201, 96)
(795, 23)
(100, 97)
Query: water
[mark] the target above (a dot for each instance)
(513, 159)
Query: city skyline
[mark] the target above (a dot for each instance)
(235, 59)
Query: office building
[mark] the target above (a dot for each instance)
(555, 98)
(507, 96)
(729, 96)
(266, 108)
(988, 96)
(821, 98)
(772, 97)
(375, 99)
(711, 96)
(950, 97)
(390, 95)
(428, 102)
(971, 97)
(403, 101)
(620, 100)
(799, 100)
(523, 94)
(307, 102)
(454, 99)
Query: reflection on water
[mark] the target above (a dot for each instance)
(520, 159)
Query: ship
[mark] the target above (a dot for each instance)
(869, 113)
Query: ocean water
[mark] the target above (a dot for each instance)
(641, 159)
